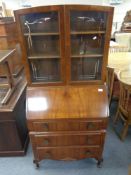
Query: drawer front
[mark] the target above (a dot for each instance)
(67, 139)
(44, 126)
(91, 125)
(55, 126)
(68, 153)
(68, 126)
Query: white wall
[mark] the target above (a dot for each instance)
(54, 2)
(120, 10)
(15, 4)
(119, 13)
(12, 4)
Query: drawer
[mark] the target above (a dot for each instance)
(44, 126)
(56, 126)
(68, 153)
(91, 125)
(67, 139)
(74, 125)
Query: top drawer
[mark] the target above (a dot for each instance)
(69, 126)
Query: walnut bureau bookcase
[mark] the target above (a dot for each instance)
(65, 51)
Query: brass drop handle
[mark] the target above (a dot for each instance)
(88, 152)
(47, 155)
(90, 125)
(46, 127)
(46, 142)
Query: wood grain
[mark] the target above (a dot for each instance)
(71, 102)
(68, 122)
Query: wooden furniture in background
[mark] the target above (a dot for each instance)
(124, 107)
(119, 60)
(66, 45)
(13, 130)
(117, 47)
(8, 82)
(67, 123)
(110, 82)
(129, 170)
(124, 41)
(125, 76)
(126, 25)
(9, 40)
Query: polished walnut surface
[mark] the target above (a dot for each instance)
(67, 102)
(67, 122)
(66, 119)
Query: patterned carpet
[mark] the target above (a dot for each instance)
(117, 159)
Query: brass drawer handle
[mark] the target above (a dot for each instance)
(88, 153)
(46, 127)
(90, 125)
(46, 142)
(47, 155)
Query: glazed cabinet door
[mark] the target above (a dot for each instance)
(65, 44)
(42, 29)
(88, 33)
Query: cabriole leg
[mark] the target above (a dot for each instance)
(36, 163)
(99, 163)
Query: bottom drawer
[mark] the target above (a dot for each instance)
(68, 153)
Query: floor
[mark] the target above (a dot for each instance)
(117, 159)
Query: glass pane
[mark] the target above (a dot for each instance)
(40, 22)
(3, 93)
(47, 70)
(87, 20)
(87, 44)
(43, 45)
(83, 69)
(42, 39)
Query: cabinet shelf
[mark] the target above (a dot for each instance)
(41, 34)
(3, 82)
(43, 56)
(87, 32)
(87, 55)
(72, 52)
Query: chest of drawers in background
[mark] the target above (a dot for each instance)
(9, 39)
(67, 123)
(13, 129)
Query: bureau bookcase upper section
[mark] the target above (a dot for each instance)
(65, 44)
